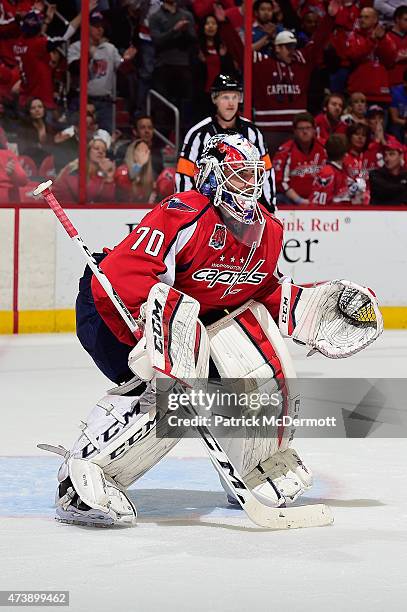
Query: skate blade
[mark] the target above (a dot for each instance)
(85, 523)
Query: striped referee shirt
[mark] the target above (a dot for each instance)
(194, 144)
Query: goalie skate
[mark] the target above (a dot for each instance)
(114, 507)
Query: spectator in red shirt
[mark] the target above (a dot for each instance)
(235, 16)
(12, 176)
(371, 54)
(329, 122)
(134, 179)
(32, 52)
(298, 161)
(165, 185)
(360, 158)
(101, 170)
(345, 23)
(398, 38)
(202, 8)
(10, 13)
(332, 184)
(9, 81)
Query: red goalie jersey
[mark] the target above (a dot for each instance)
(184, 242)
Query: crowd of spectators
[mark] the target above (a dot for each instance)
(329, 94)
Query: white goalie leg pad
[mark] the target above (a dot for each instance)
(247, 345)
(122, 438)
(176, 341)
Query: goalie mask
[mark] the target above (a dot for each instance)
(231, 174)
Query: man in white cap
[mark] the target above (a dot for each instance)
(281, 83)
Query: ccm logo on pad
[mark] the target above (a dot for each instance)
(157, 327)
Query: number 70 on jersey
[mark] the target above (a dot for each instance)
(151, 240)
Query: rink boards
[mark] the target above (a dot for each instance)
(40, 267)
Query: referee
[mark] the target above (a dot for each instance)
(227, 93)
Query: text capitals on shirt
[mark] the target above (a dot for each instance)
(230, 277)
(283, 88)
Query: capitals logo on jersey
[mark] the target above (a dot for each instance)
(324, 181)
(218, 238)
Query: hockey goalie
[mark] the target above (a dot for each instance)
(199, 274)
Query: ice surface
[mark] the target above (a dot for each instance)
(190, 551)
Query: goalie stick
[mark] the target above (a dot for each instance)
(317, 515)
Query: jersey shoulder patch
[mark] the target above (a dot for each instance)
(186, 202)
(174, 203)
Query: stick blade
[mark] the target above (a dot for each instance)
(298, 517)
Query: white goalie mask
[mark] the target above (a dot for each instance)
(231, 174)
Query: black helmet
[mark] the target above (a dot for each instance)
(225, 82)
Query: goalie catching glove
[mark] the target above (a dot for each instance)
(337, 318)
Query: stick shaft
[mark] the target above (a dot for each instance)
(60, 213)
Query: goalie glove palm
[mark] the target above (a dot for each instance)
(338, 318)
